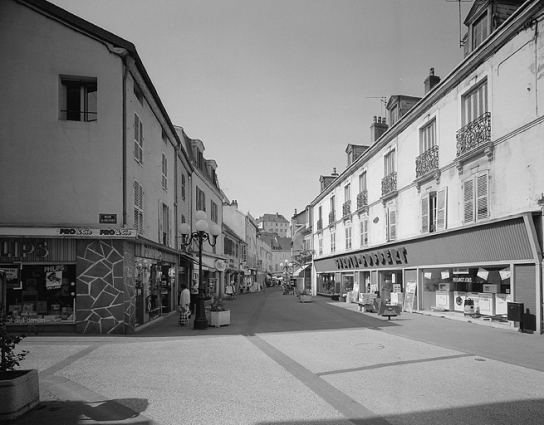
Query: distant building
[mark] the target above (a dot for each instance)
(274, 223)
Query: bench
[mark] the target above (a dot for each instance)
(389, 311)
(367, 308)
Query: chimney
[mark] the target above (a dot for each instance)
(234, 203)
(378, 127)
(431, 81)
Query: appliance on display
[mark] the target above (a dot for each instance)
(475, 297)
(445, 286)
(444, 299)
(501, 303)
(492, 288)
(459, 301)
(487, 304)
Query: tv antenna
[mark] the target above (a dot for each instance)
(383, 100)
(461, 43)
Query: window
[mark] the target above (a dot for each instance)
(138, 140)
(348, 237)
(389, 163)
(433, 211)
(138, 207)
(214, 212)
(320, 246)
(427, 137)
(364, 231)
(475, 103)
(391, 223)
(347, 194)
(79, 100)
(480, 30)
(200, 200)
(394, 115)
(362, 182)
(183, 186)
(164, 179)
(200, 161)
(475, 197)
(164, 224)
(333, 242)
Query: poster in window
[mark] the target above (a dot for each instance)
(53, 280)
(11, 275)
(410, 297)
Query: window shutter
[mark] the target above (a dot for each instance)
(425, 214)
(441, 198)
(393, 225)
(161, 221)
(468, 197)
(481, 195)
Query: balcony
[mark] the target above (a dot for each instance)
(362, 201)
(332, 218)
(474, 139)
(389, 185)
(346, 209)
(427, 162)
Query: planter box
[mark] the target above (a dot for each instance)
(219, 318)
(19, 394)
(305, 298)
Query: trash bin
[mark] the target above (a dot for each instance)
(515, 311)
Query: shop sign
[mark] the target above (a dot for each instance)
(382, 257)
(11, 276)
(151, 252)
(14, 249)
(86, 232)
(220, 265)
(463, 279)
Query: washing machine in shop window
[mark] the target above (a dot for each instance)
(459, 301)
(487, 304)
(444, 299)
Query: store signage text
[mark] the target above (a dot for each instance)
(22, 249)
(70, 231)
(383, 257)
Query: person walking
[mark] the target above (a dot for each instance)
(184, 305)
(194, 296)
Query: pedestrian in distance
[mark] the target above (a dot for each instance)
(194, 295)
(184, 305)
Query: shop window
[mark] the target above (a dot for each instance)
(475, 197)
(138, 139)
(40, 293)
(79, 99)
(433, 211)
(138, 207)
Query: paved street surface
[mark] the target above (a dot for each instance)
(284, 362)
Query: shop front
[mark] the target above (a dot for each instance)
(491, 265)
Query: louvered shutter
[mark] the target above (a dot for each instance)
(481, 196)
(393, 224)
(425, 214)
(468, 198)
(161, 221)
(136, 136)
(441, 199)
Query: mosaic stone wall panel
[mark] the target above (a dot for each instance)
(105, 287)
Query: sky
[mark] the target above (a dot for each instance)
(277, 89)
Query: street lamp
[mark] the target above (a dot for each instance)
(201, 235)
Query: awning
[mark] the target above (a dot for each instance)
(299, 272)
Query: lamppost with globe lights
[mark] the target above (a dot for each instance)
(203, 233)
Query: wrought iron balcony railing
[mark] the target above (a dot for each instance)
(474, 134)
(346, 208)
(332, 217)
(389, 183)
(362, 199)
(319, 224)
(427, 162)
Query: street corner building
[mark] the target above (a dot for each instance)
(95, 179)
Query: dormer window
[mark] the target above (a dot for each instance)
(480, 30)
